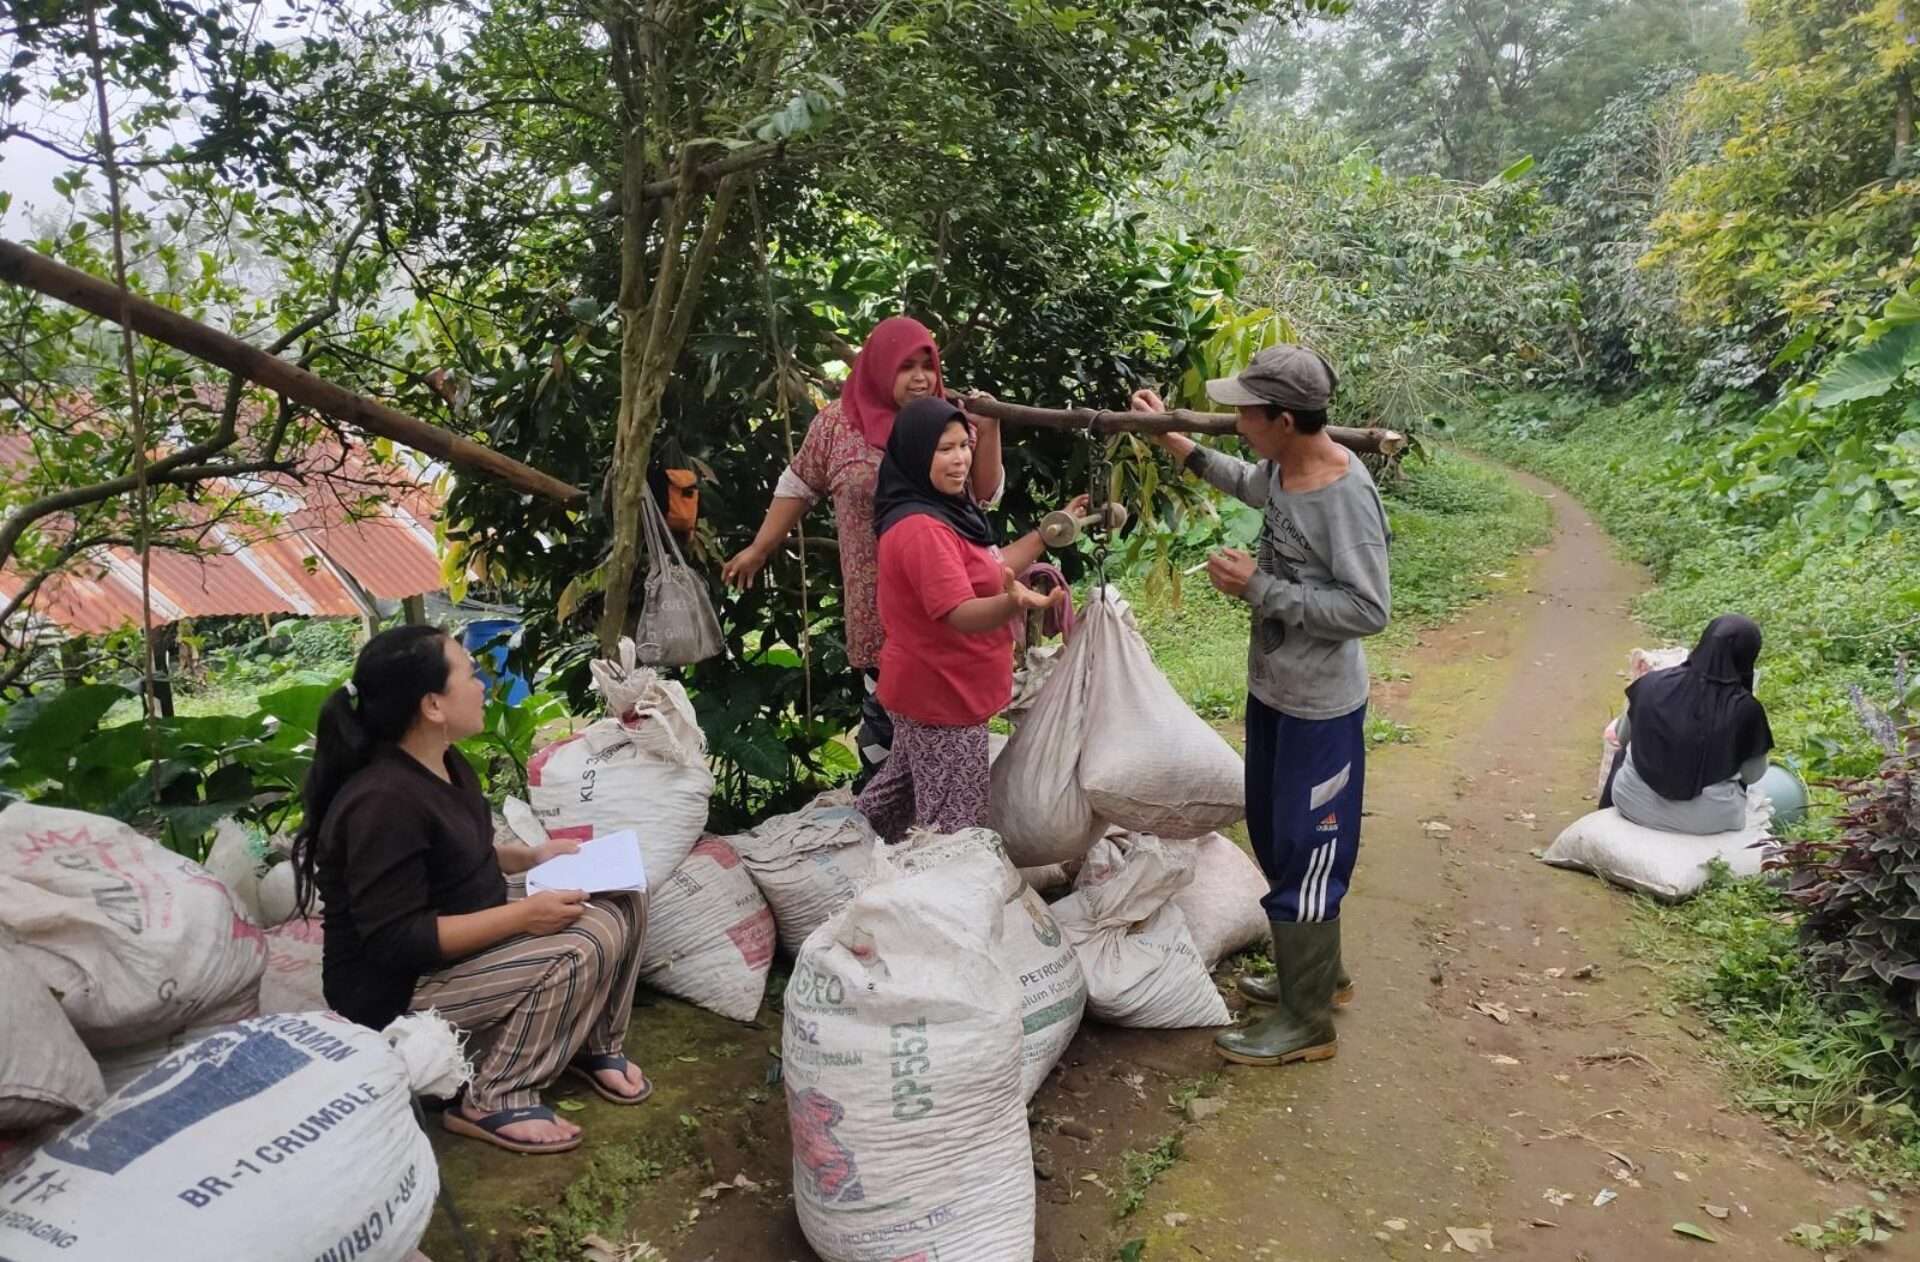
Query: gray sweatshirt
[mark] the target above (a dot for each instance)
(1319, 587)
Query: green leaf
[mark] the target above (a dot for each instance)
(761, 754)
(570, 1106)
(834, 756)
(298, 707)
(44, 735)
(1695, 1232)
(1793, 352)
(1870, 372)
(1512, 174)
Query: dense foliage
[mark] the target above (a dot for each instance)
(1858, 887)
(1463, 88)
(1420, 288)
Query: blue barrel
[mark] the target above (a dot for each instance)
(492, 664)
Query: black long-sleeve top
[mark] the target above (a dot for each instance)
(400, 848)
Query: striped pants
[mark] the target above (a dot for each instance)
(1305, 783)
(529, 1005)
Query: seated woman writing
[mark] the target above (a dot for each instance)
(1694, 737)
(398, 843)
(947, 600)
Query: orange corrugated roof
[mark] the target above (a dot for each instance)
(307, 563)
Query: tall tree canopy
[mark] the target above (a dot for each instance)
(1463, 88)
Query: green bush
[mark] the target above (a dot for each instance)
(1858, 889)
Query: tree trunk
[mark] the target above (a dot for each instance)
(650, 342)
(639, 415)
(166, 652)
(1902, 118)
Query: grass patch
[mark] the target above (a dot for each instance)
(597, 1202)
(1825, 1068)
(1192, 1089)
(1382, 730)
(1140, 1169)
(1856, 1225)
(1456, 525)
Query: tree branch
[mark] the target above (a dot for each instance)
(1385, 442)
(696, 273)
(236, 386)
(22, 266)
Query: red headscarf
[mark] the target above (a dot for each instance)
(868, 397)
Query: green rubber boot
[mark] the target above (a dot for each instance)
(1266, 989)
(1306, 957)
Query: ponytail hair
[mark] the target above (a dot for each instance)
(375, 707)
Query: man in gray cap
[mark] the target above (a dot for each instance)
(1317, 588)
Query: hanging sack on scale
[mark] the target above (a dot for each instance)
(677, 626)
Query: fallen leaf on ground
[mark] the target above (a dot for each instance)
(1695, 1232)
(1471, 1239)
(1718, 1211)
(1395, 1224)
(1556, 973)
(1557, 1196)
(713, 1190)
(1498, 1011)
(1633, 1167)
(569, 1106)
(1605, 1196)
(1175, 1220)
(1542, 1222)
(1437, 829)
(1683, 1176)
(1503, 1060)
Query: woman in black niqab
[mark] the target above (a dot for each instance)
(1698, 725)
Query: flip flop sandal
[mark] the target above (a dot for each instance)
(487, 1129)
(586, 1065)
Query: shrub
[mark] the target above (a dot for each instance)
(1860, 888)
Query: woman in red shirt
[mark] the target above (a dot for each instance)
(947, 598)
(840, 460)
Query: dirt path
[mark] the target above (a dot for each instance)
(1432, 1116)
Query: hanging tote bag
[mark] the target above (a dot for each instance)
(677, 626)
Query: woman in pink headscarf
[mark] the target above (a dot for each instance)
(841, 459)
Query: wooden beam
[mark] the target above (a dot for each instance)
(30, 269)
(1384, 442)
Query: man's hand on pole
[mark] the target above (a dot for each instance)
(1178, 445)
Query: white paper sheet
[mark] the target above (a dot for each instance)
(604, 864)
